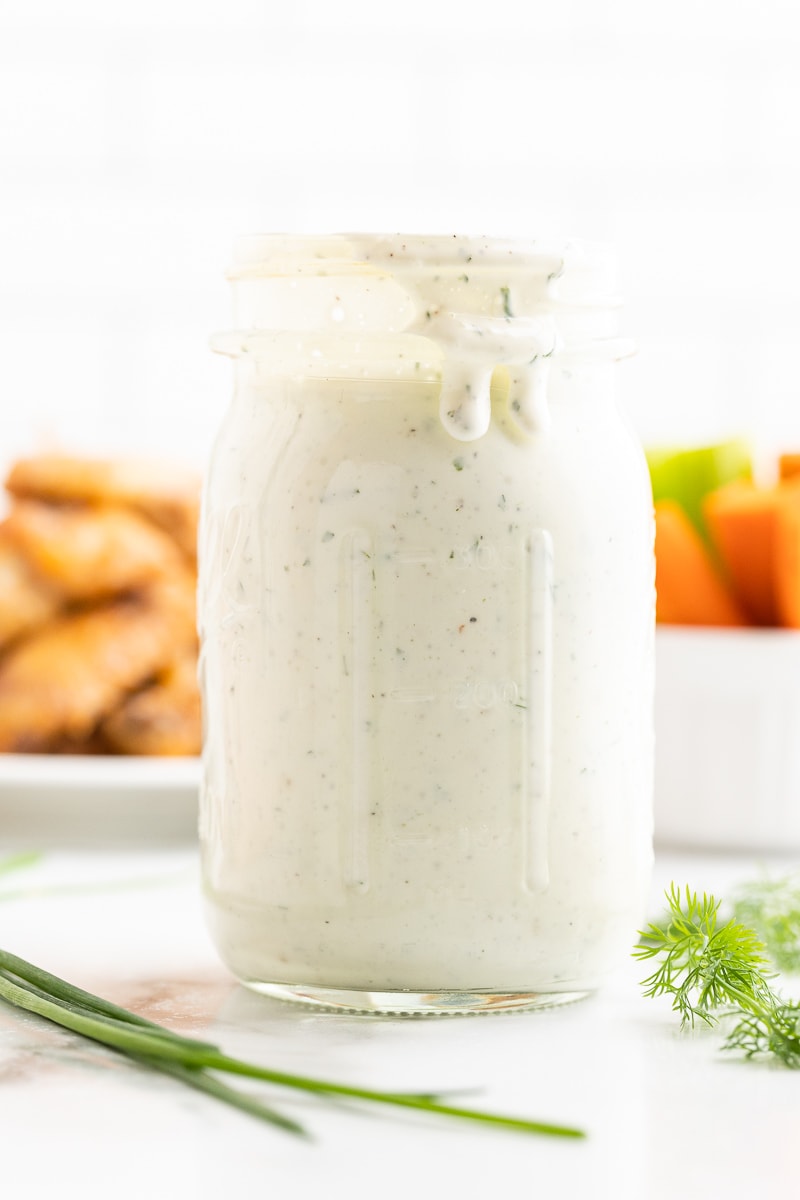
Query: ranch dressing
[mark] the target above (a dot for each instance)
(427, 606)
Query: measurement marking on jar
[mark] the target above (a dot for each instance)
(413, 839)
(485, 556)
(413, 696)
(356, 592)
(414, 556)
(486, 693)
(539, 716)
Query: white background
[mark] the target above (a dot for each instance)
(137, 140)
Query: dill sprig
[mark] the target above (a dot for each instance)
(196, 1063)
(703, 965)
(774, 1033)
(771, 908)
(717, 971)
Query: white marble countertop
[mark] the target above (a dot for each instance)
(666, 1113)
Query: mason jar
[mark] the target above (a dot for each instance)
(427, 627)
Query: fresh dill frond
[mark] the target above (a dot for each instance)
(703, 965)
(771, 908)
(774, 1033)
(719, 971)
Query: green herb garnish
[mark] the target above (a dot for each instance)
(506, 294)
(771, 908)
(193, 1062)
(702, 965)
(19, 862)
(717, 971)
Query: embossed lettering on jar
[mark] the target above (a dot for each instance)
(427, 605)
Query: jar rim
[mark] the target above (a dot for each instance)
(347, 356)
(590, 265)
(475, 303)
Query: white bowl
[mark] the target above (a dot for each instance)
(727, 720)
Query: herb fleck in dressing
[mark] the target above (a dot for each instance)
(427, 627)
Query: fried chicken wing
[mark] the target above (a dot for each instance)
(165, 493)
(162, 719)
(25, 601)
(90, 552)
(98, 640)
(59, 683)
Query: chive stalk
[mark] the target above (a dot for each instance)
(191, 1061)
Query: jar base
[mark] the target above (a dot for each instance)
(414, 1004)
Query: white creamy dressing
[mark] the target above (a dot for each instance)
(471, 351)
(427, 620)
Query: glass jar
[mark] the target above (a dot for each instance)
(427, 627)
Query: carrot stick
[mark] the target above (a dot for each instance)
(756, 531)
(788, 466)
(689, 588)
(786, 566)
(742, 520)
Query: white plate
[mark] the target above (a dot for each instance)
(727, 723)
(75, 800)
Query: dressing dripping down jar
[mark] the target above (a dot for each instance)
(427, 627)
